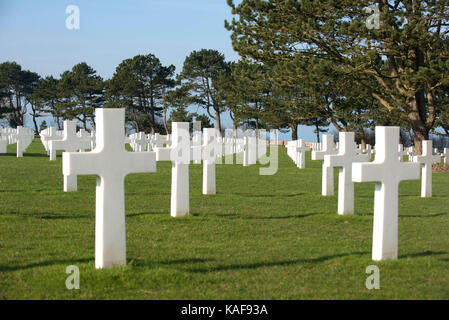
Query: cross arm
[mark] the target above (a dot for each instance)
(81, 163)
(139, 162)
(368, 172)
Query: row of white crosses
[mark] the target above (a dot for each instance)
(297, 152)
(111, 163)
(21, 136)
(141, 142)
(387, 170)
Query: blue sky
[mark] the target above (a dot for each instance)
(34, 34)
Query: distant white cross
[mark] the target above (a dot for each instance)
(411, 153)
(387, 171)
(327, 176)
(23, 137)
(70, 141)
(301, 154)
(347, 154)
(446, 155)
(401, 152)
(179, 155)
(427, 159)
(49, 134)
(209, 154)
(111, 163)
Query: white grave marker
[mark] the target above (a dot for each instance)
(111, 163)
(347, 155)
(209, 157)
(327, 176)
(179, 155)
(301, 154)
(387, 171)
(427, 159)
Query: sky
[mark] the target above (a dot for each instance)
(34, 34)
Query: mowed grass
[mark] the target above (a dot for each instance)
(259, 237)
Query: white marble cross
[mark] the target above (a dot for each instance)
(158, 141)
(110, 162)
(387, 171)
(23, 137)
(49, 134)
(446, 155)
(140, 142)
(401, 152)
(411, 153)
(86, 138)
(368, 151)
(347, 154)
(3, 144)
(196, 147)
(70, 141)
(209, 154)
(179, 155)
(301, 154)
(252, 148)
(327, 176)
(427, 159)
(245, 151)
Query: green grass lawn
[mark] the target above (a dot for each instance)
(259, 237)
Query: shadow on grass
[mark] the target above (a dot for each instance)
(55, 216)
(275, 264)
(4, 268)
(25, 155)
(248, 217)
(423, 215)
(426, 253)
(150, 263)
(131, 215)
(252, 195)
(49, 216)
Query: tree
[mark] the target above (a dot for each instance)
(139, 85)
(177, 100)
(16, 87)
(247, 93)
(43, 125)
(205, 121)
(82, 90)
(204, 71)
(406, 57)
(48, 99)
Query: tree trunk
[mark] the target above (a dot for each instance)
(294, 127)
(218, 119)
(58, 123)
(257, 128)
(317, 130)
(420, 134)
(410, 137)
(36, 129)
(164, 109)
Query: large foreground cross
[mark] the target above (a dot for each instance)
(111, 163)
(387, 171)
